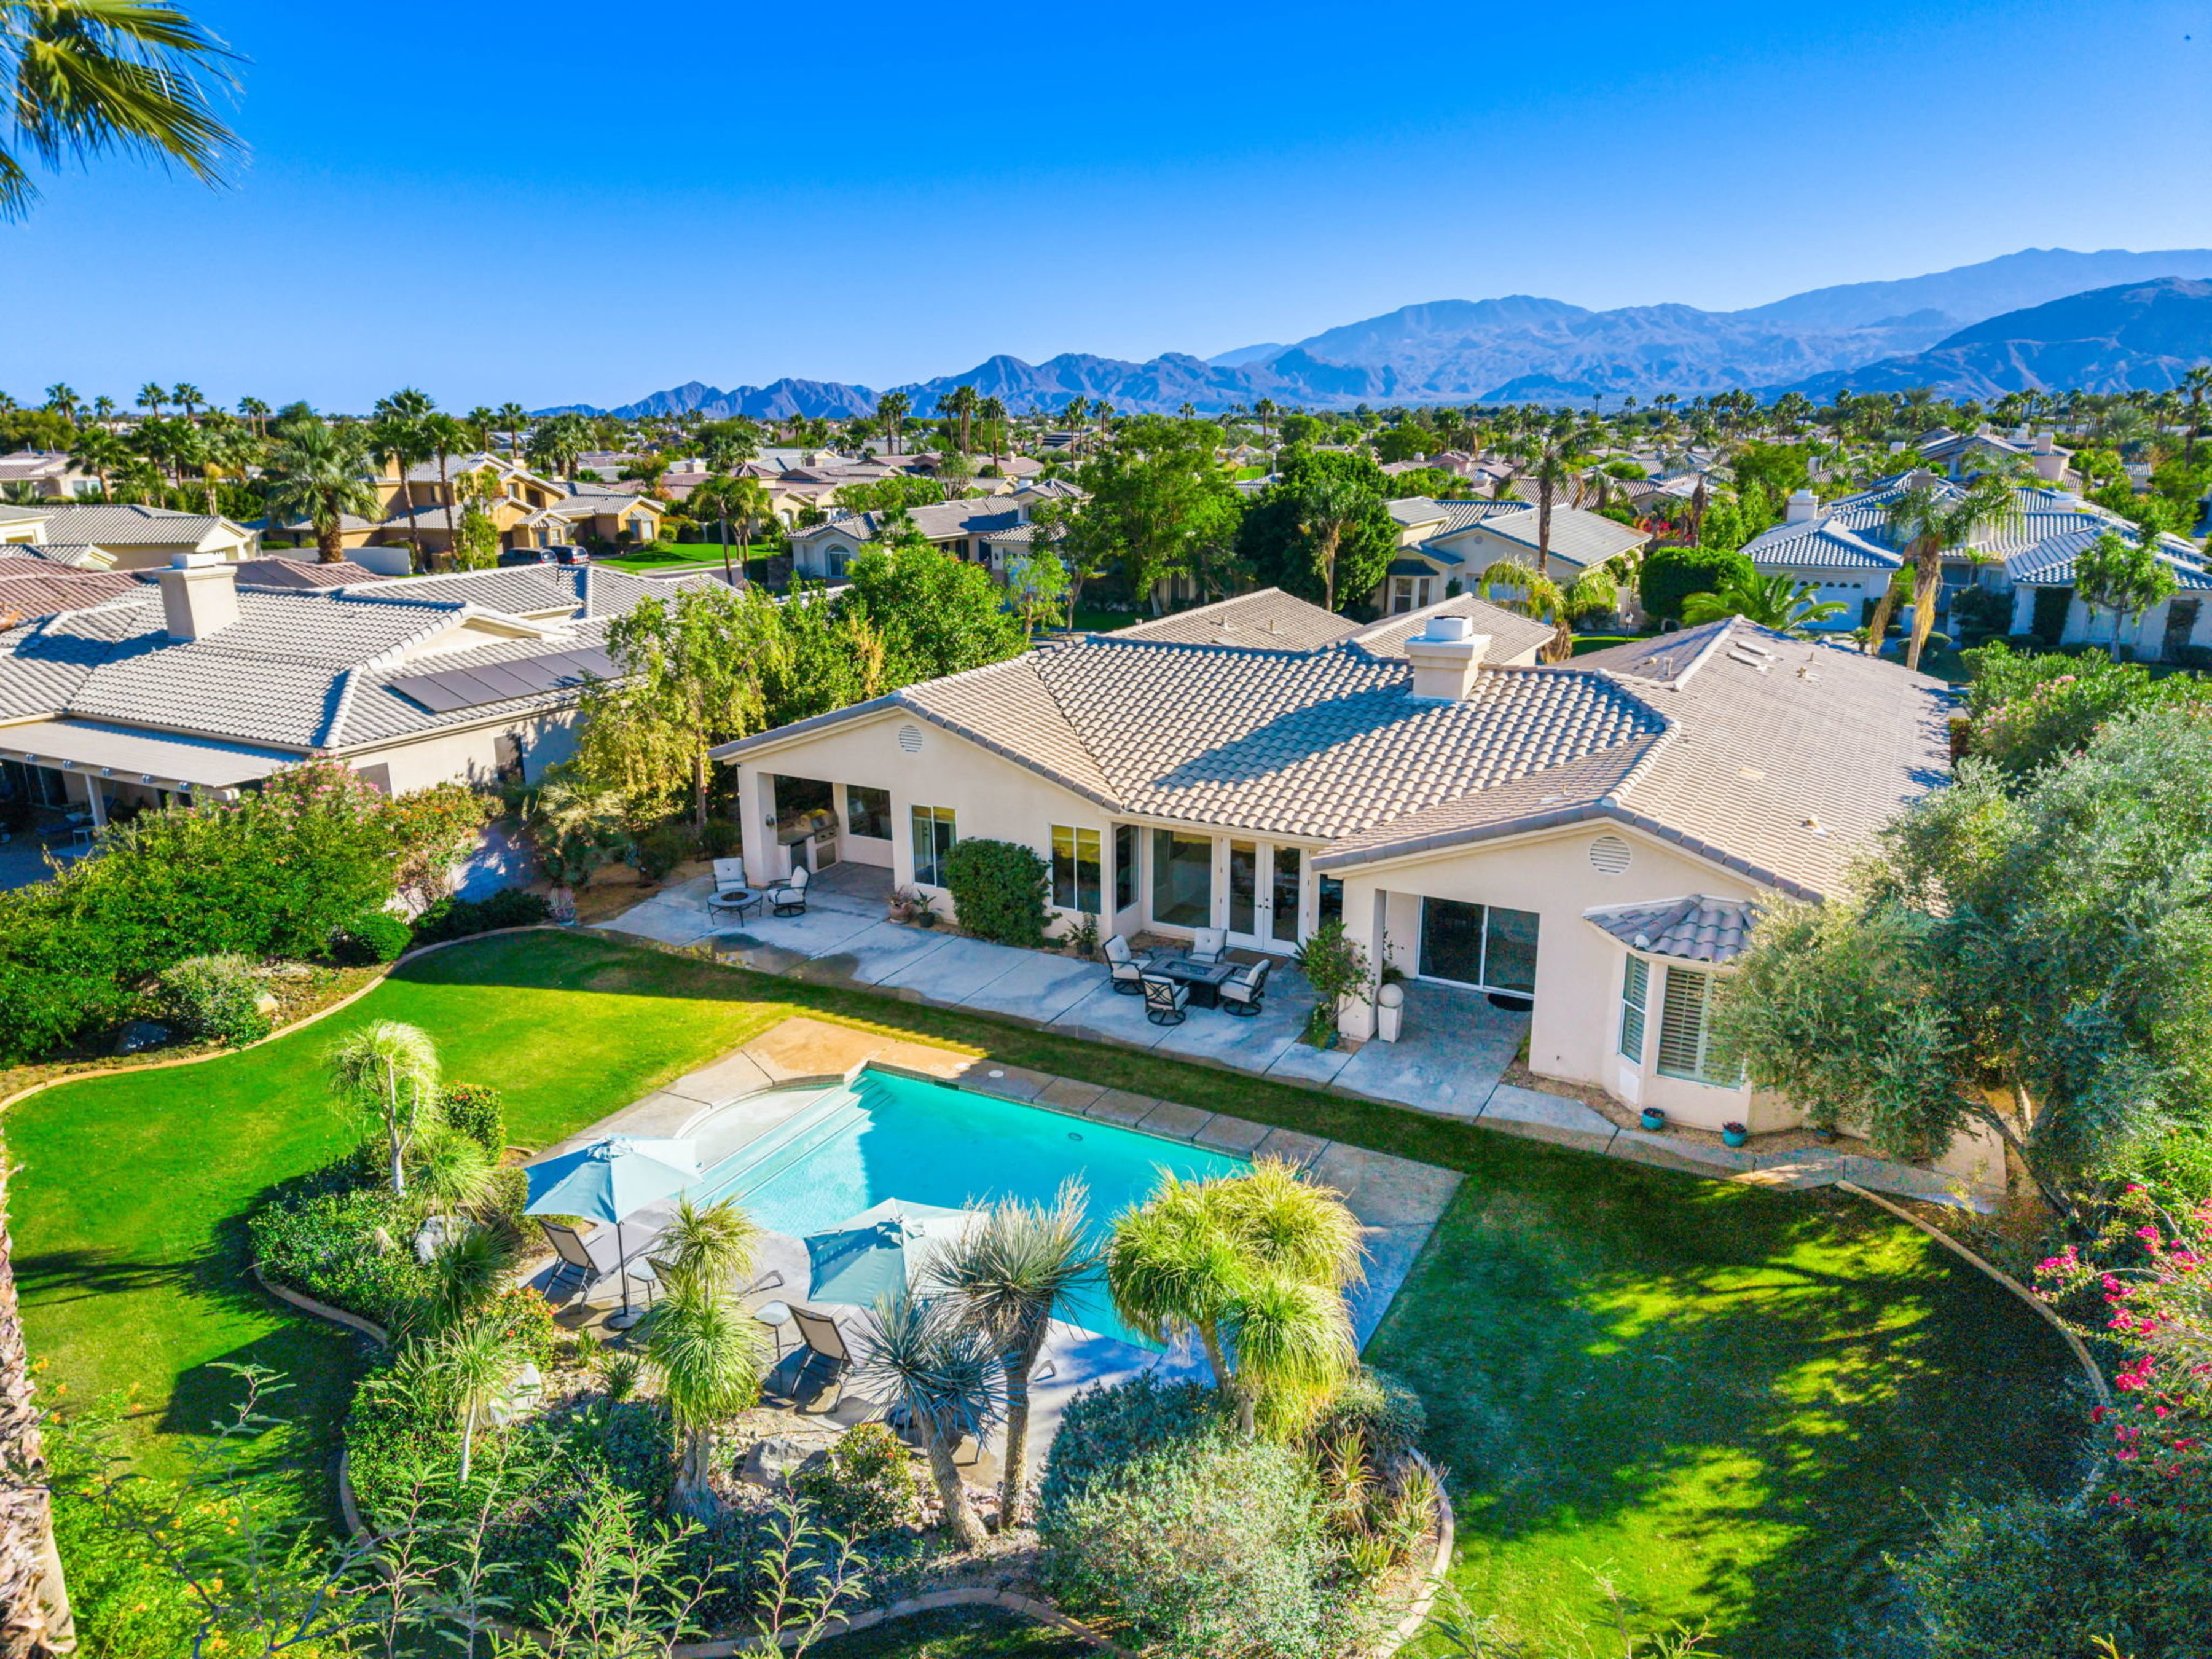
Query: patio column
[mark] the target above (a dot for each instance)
(1363, 915)
(92, 796)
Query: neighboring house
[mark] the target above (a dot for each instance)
(195, 688)
(1443, 542)
(2048, 612)
(1965, 456)
(33, 587)
(989, 530)
(1590, 840)
(100, 538)
(1810, 546)
(47, 473)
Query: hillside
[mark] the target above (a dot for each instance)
(2137, 335)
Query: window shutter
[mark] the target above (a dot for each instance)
(1635, 991)
(1682, 1023)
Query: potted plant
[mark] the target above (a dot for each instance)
(1734, 1134)
(1654, 1119)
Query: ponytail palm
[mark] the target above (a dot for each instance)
(709, 1352)
(714, 1247)
(386, 1073)
(472, 1365)
(1294, 1349)
(947, 1378)
(1173, 1270)
(1009, 1276)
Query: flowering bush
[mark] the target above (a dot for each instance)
(2026, 711)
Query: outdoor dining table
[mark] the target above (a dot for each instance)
(1205, 979)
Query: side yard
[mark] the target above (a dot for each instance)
(1733, 1401)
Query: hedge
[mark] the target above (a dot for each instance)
(1671, 574)
(998, 891)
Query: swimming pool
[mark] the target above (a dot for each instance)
(885, 1136)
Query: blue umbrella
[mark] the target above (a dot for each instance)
(612, 1180)
(879, 1252)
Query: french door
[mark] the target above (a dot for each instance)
(1264, 890)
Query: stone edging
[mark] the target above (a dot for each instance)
(383, 973)
(374, 1332)
(2081, 1351)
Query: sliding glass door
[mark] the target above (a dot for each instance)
(1488, 946)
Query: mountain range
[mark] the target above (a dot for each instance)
(1931, 330)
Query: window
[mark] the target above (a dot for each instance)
(1684, 1034)
(1635, 992)
(1486, 945)
(836, 564)
(1125, 865)
(933, 835)
(868, 811)
(1182, 879)
(507, 757)
(1075, 875)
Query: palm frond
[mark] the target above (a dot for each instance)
(1011, 1270)
(935, 1365)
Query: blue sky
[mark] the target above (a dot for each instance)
(562, 201)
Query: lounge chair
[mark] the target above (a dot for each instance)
(1240, 992)
(1127, 973)
(826, 1359)
(591, 1261)
(788, 898)
(1165, 999)
(1207, 945)
(731, 892)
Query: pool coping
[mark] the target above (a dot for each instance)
(1399, 1202)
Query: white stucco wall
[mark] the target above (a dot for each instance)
(2146, 635)
(472, 755)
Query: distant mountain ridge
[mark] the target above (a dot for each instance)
(2132, 336)
(1524, 348)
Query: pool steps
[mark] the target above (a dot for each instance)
(753, 1165)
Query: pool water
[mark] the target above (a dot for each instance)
(885, 1136)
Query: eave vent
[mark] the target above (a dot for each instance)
(909, 739)
(1609, 855)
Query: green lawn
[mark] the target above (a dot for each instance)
(660, 555)
(1734, 1400)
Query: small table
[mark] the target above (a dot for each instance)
(739, 899)
(1205, 979)
(775, 1315)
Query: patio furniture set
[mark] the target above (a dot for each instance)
(735, 895)
(1173, 981)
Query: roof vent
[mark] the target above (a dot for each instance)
(909, 739)
(1609, 855)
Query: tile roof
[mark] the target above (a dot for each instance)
(124, 526)
(25, 597)
(1579, 538)
(1694, 929)
(1512, 636)
(2049, 563)
(1269, 618)
(1818, 545)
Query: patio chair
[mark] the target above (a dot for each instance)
(1207, 945)
(788, 898)
(588, 1261)
(826, 1358)
(1240, 992)
(1126, 973)
(731, 892)
(1165, 999)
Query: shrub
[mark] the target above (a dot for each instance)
(1671, 574)
(723, 839)
(1386, 1415)
(659, 850)
(862, 1485)
(341, 1243)
(998, 891)
(1105, 1428)
(459, 918)
(214, 1000)
(378, 936)
(1215, 1545)
(476, 1110)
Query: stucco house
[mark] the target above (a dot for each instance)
(989, 530)
(95, 536)
(1443, 542)
(195, 687)
(1588, 840)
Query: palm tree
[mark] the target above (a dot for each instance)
(151, 397)
(716, 1245)
(513, 418)
(321, 473)
(947, 1378)
(63, 400)
(1173, 1271)
(400, 437)
(386, 1073)
(745, 499)
(479, 423)
(102, 453)
(1533, 592)
(890, 409)
(1329, 508)
(83, 78)
(1775, 602)
(960, 404)
(1933, 518)
(709, 1352)
(34, 1611)
(445, 436)
(189, 396)
(254, 410)
(473, 1365)
(103, 407)
(1010, 1275)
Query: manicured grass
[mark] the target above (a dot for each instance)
(1732, 1401)
(662, 554)
(1584, 643)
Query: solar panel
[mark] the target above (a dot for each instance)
(451, 689)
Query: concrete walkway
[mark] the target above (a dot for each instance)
(1450, 1061)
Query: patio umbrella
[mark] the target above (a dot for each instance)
(612, 1180)
(879, 1251)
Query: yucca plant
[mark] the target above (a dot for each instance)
(710, 1352)
(386, 1073)
(716, 1245)
(1010, 1275)
(947, 1378)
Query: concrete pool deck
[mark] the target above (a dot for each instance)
(1397, 1200)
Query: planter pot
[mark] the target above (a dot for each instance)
(1654, 1119)
(1733, 1138)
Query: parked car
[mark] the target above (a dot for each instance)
(560, 553)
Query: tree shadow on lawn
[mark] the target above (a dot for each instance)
(1735, 1401)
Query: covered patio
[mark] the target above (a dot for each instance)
(1449, 1060)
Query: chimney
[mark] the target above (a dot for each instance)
(2046, 443)
(1446, 658)
(200, 595)
(2050, 465)
(1804, 506)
